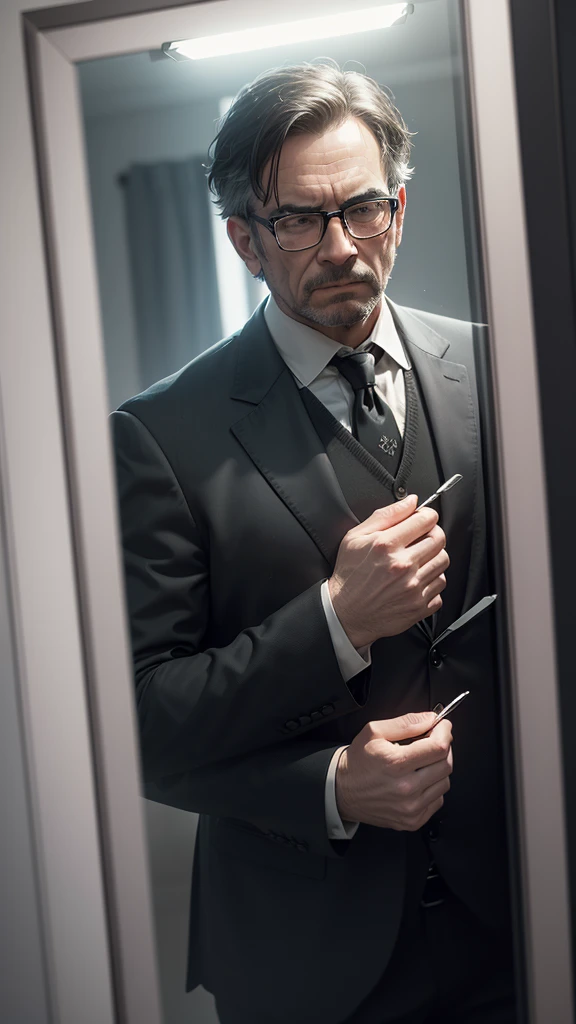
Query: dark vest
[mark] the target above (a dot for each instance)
(367, 484)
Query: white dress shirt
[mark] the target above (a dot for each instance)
(307, 353)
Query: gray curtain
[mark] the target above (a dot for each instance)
(172, 263)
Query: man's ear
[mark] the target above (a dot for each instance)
(241, 238)
(399, 219)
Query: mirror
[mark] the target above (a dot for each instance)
(170, 287)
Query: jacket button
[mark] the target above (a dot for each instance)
(302, 847)
(316, 716)
(435, 657)
(305, 720)
(400, 492)
(292, 725)
(327, 709)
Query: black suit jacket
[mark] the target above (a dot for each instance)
(231, 519)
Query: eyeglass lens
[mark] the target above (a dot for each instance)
(301, 230)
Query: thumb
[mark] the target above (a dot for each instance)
(390, 515)
(406, 726)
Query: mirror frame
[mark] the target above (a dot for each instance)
(56, 39)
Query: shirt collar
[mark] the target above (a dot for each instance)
(307, 352)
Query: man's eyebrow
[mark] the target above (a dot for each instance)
(362, 197)
(294, 208)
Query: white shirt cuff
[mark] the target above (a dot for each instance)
(337, 829)
(350, 660)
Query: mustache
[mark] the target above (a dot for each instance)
(339, 274)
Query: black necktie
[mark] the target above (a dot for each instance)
(373, 423)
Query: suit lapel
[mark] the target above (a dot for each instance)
(279, 437)
(446, 391)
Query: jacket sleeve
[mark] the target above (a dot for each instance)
(200, 705)
(279, 789)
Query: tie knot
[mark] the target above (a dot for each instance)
(357, 368)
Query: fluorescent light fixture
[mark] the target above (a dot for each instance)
(264, 37)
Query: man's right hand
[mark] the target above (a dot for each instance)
(389, 572)
(390, 786)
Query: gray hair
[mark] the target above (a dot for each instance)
(290, 100)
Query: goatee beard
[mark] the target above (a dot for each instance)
(338, 316)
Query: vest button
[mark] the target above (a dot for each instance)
(436, 657)
(400, 492)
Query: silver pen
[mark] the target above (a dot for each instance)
(440, 711)
(445, 487)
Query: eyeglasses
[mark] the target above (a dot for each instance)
(297, 231)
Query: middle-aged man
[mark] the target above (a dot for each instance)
(289, 606)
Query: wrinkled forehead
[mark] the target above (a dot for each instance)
(328, 168)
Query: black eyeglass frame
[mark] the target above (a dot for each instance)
(326, 217)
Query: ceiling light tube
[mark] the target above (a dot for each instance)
(264, 37)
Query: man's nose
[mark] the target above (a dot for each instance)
(337, 246)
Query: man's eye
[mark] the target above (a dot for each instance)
(297, 223)
(372, 208)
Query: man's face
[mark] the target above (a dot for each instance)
(339, 283)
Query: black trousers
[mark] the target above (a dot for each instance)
(447, 966)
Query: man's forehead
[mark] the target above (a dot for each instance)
(337, 150)
(345, 159)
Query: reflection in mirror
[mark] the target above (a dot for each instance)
(334, 879)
